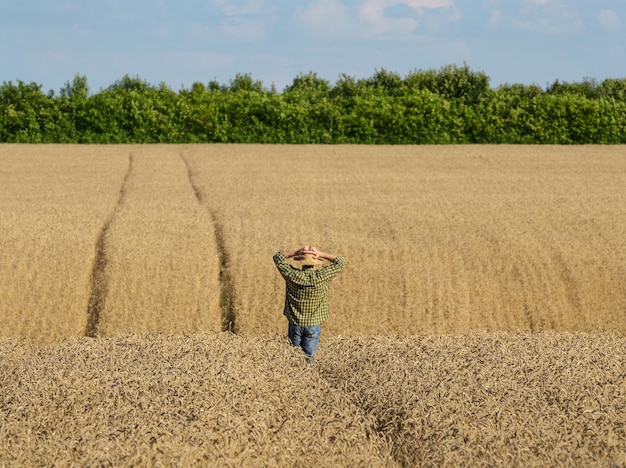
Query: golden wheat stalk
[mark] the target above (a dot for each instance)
(54, 201)
(162, 265)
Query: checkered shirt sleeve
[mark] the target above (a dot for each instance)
(306, 295)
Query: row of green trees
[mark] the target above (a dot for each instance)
(449, 105)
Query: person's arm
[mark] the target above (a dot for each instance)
(317, 253)
(290, 253)
(282, 255)
(327, 256)
(301, 251)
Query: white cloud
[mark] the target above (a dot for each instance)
(372, 14)
(239, 8)
(237, 22)
(418, 4)
(324, 18)
(332, 19)
(375, 9)
(609, 20)
(540, 17)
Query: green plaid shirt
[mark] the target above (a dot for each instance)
(306, 297)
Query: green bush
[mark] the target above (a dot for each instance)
(447, 106)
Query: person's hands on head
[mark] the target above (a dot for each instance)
(308, 250)
(313, 251)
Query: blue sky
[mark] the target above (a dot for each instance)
(180, 42)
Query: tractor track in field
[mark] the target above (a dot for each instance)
(229, 322)
(98, 277)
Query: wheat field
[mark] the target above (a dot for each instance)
(162, 263)
(222, 399)
(480, 319)
(53, 202)
(438, 239)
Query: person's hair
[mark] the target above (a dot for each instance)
(306, 267)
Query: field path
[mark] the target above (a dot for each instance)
(98, 276)
(100, 240)
(162, 262)
(227, 290)
(438, 239)
(54, 201)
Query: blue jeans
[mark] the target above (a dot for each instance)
(305, 337)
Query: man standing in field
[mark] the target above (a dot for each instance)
(307, 272)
